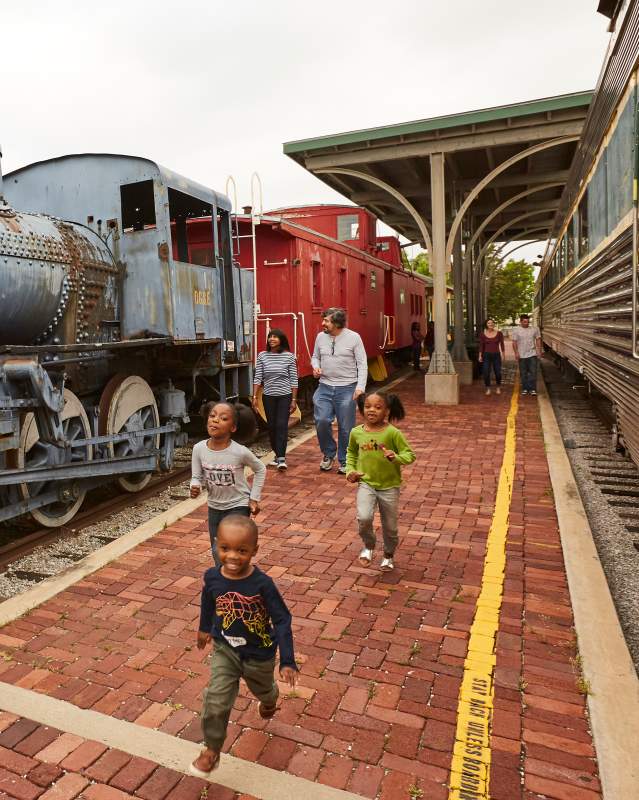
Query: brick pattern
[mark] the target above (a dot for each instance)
(70, 767)
(381, 655)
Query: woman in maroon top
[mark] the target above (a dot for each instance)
(491, 342)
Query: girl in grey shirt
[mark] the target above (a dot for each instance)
(218, 463)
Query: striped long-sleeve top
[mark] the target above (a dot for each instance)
(277, 372)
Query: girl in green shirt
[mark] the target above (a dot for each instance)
(376, 451)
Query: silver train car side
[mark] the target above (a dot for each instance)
(587, 298)
(112, 327)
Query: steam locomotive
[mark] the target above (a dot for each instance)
(111, 327)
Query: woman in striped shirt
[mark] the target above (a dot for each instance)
(276, 372)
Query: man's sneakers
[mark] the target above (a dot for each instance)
(274, 463)
(534, 393)
(341, 470)
(365, 557)
(326, 464)
(525, 391)
(281, 463)
(387, 564)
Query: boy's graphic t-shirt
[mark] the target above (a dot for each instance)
(365, 455)
(222, 473)
(249, 615)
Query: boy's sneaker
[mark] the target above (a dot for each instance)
(387, 564)
(266, 712)
(205, 763)
(326, 464)
(341, 470)
(281, 464)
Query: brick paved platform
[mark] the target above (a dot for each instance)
(381, 654)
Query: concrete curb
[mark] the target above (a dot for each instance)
(614, 701)
(162, 748)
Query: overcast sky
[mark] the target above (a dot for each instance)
(211, 88)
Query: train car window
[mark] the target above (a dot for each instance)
(584, 236)
(342, 287)
(620, 164)
(402, 296)
(598, 204)
(137, 202)
(362, 292)
(316, 270)
(373, 280)
(347, 227)
(182, 209)
(573, 243)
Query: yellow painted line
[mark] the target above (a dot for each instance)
(470, 765)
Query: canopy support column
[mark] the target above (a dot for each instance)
(463, 365)
(441, 382)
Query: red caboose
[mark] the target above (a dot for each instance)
(312, 257)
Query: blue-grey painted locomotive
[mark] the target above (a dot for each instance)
(112, 324)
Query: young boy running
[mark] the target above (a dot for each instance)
(245, 615)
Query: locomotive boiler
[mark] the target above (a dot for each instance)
(111, 326)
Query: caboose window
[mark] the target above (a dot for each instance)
(138, 206)
(402, 296)
(191, 229)
(316, 269)
(347, 227)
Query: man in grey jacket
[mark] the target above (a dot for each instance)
(339, 361)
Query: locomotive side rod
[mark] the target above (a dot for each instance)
(88, 469)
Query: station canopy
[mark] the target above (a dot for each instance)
(535, 139)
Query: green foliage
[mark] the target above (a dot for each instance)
(421, 264)
(511, 291)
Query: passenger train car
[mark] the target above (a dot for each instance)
(587, 293)
(111, 327)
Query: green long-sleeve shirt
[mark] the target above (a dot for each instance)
(364, 455)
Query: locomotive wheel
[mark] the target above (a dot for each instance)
(35, 453)
(128, 404)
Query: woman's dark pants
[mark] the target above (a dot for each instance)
(417, 353)
(277, 409)
(215, 517)
(492, 360)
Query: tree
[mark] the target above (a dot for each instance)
(511, 291)
(421, 264)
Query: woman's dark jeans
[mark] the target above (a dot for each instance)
(492, 360)
(215, 517)
(277, 409)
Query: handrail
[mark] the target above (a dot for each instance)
(267, 318)
(301, 314)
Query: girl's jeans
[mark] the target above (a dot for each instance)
(388, 502)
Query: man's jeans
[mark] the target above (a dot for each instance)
(330, 402)
(528, 373)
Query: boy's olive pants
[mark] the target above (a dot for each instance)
(226, 670)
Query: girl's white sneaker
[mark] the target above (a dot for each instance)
(387, 564)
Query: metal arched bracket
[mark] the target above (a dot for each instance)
(528, 232)
(529, 151)
(512, 222)
(498, 210)
(363, 176)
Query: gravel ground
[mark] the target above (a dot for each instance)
(54, 558)
(618, 548)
